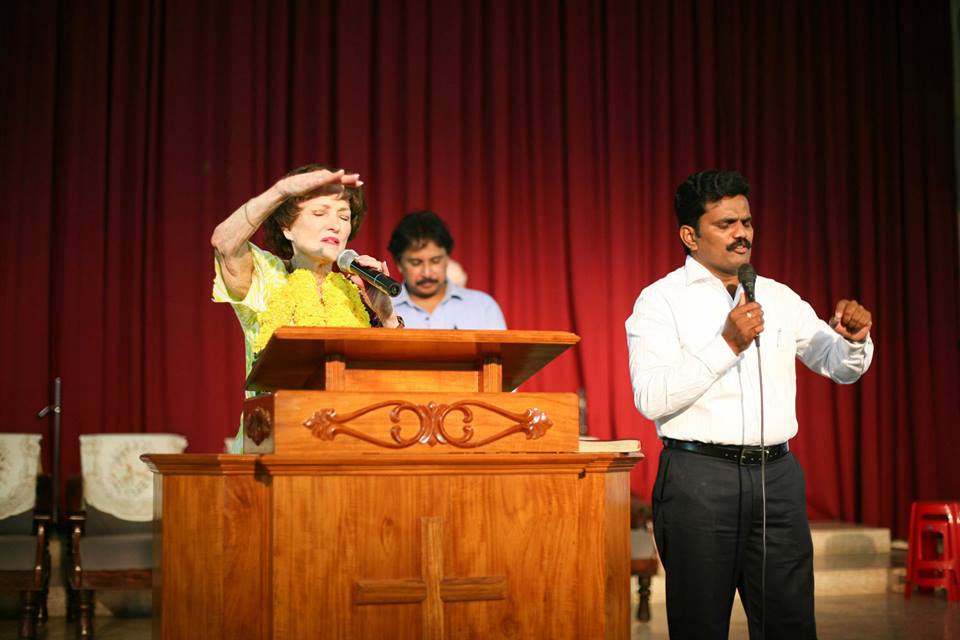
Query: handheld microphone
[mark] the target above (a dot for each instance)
(347, 261)
(748, 280)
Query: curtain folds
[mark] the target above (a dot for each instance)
(550, 135)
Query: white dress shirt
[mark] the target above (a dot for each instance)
(688, 380)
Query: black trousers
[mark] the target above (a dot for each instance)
(707, 523)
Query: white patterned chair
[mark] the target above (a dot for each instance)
(110, 514)
(25, 520)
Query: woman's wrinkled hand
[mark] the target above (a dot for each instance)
(375, 299)
(321, 179)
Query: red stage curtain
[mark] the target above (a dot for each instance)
(551, 136)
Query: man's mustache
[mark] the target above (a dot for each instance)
(743, 242)
(420, 283)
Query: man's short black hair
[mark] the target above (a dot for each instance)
(417, 229)
(700, 189)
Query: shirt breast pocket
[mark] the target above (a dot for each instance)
(781, 339)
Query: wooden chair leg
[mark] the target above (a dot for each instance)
(643, 609)
(42, 605)
(44, 590)
(71, 603)
(84, 613)
(28, 614)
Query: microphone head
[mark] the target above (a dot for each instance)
(346, 258)
(748, 278)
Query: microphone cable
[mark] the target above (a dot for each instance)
(747, 276)
(763, 499)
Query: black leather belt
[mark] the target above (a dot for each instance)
(732, 452)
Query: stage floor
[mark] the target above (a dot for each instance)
(866, 617)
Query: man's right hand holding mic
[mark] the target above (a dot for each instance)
(744, 325)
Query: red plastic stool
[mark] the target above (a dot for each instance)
(932, 553)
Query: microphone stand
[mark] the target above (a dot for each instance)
(55, 410)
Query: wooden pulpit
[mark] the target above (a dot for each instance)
(393, 486)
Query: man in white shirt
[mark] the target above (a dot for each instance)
(421, 246)
(693, 348)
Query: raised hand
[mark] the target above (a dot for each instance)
(304, 183)
(744, 323)
(851, 320)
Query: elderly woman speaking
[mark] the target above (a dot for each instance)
(309, 215)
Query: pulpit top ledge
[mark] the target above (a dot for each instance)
(295, 357)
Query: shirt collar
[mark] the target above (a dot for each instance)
(696, 272)
(452, 291)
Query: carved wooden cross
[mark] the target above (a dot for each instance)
(432, 589)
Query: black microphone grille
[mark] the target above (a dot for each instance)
(747, 274)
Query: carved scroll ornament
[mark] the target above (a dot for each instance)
(326, 424)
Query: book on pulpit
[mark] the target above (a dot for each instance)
(590, 444)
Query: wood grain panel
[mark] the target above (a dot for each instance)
(616, 553)
(491, 375)
(515, 545)
(605, 559)
(340, 530)
(292, 410)
(156, 622)
(212, 550)
(248, 561)
(488, 526)
(431, 571)
(592, 564)
(427, 378)
(193, 558)
(335, 373)
(524, 527)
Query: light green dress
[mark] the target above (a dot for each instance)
(269, 276)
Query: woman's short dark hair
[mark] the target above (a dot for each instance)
(288, 210)
(417, 229)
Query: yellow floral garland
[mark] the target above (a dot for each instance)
(297, 303)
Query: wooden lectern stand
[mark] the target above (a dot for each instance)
(393, 487)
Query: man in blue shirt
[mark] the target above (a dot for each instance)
(421, 246)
